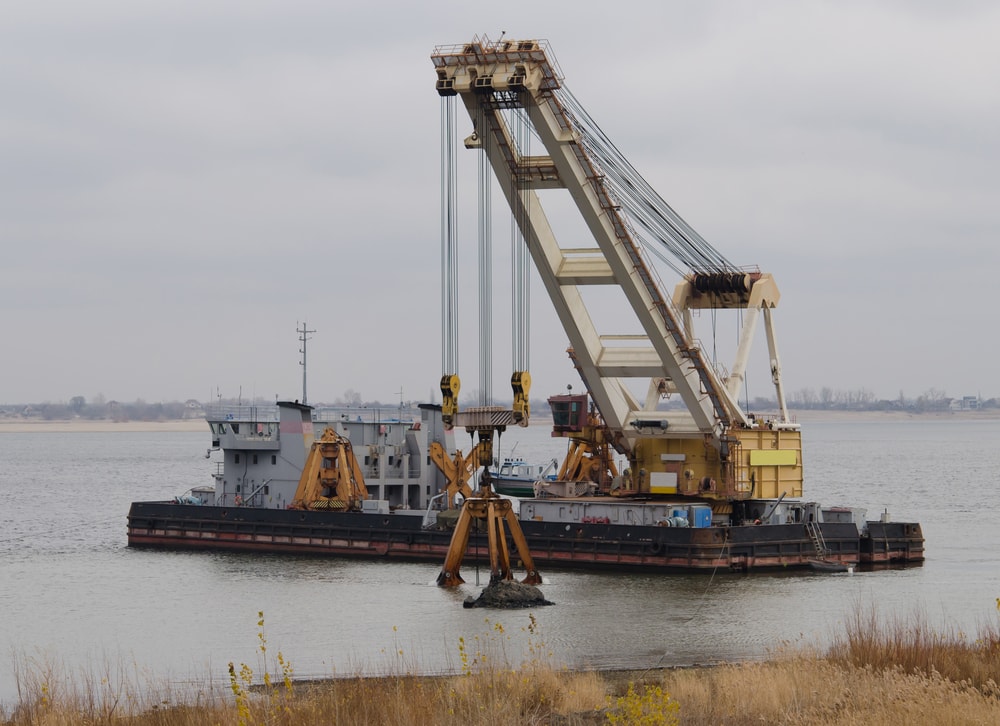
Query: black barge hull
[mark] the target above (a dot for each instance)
(169, 525)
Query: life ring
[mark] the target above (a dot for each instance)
(238, 501)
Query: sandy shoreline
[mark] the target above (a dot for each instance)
(199, 425)
(819, 416)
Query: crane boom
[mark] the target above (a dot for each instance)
(707, 448)
(489, 80)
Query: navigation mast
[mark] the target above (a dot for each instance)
(303, 338)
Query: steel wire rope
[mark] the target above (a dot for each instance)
(715, 338)
(638, 199)
(618, 180)
(526, 196)
(696, 610)
(449, 237)
(639, 190)
(746, 377)
(485, 263)
(643, 210)
(514, 340)
(35, 534)
(607, 190)
(513, 128)
(623, 190)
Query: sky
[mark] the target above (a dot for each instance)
(182, 184)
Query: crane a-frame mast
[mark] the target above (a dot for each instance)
(492, 79)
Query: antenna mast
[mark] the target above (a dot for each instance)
(303, 338)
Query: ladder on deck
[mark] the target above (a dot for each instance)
(816, 535)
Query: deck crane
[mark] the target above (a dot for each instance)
(331, 477)
(712, 449)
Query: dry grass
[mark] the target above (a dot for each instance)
(120, 694)
(895, 672)
(526, 695)
(819, 692)
(912, 645)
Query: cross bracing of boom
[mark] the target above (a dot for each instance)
(713, 448)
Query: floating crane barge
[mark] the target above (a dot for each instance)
(264, 452)
(706, 486)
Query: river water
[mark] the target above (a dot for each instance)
(73, 596)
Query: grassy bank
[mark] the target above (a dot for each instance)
(879, 671)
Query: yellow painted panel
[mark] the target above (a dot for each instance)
(662, 483)
(773, 457)
(662, 490)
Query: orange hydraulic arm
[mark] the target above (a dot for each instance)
(586, 461)
(589, 456)
(499, 516)
(331, 477)
(496, 512)
(457, 470)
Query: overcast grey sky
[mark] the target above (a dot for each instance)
(183, 182)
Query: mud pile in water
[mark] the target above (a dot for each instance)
(508, 594)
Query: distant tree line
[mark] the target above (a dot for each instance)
(102, 410)
(826, 399)
(829, 399)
